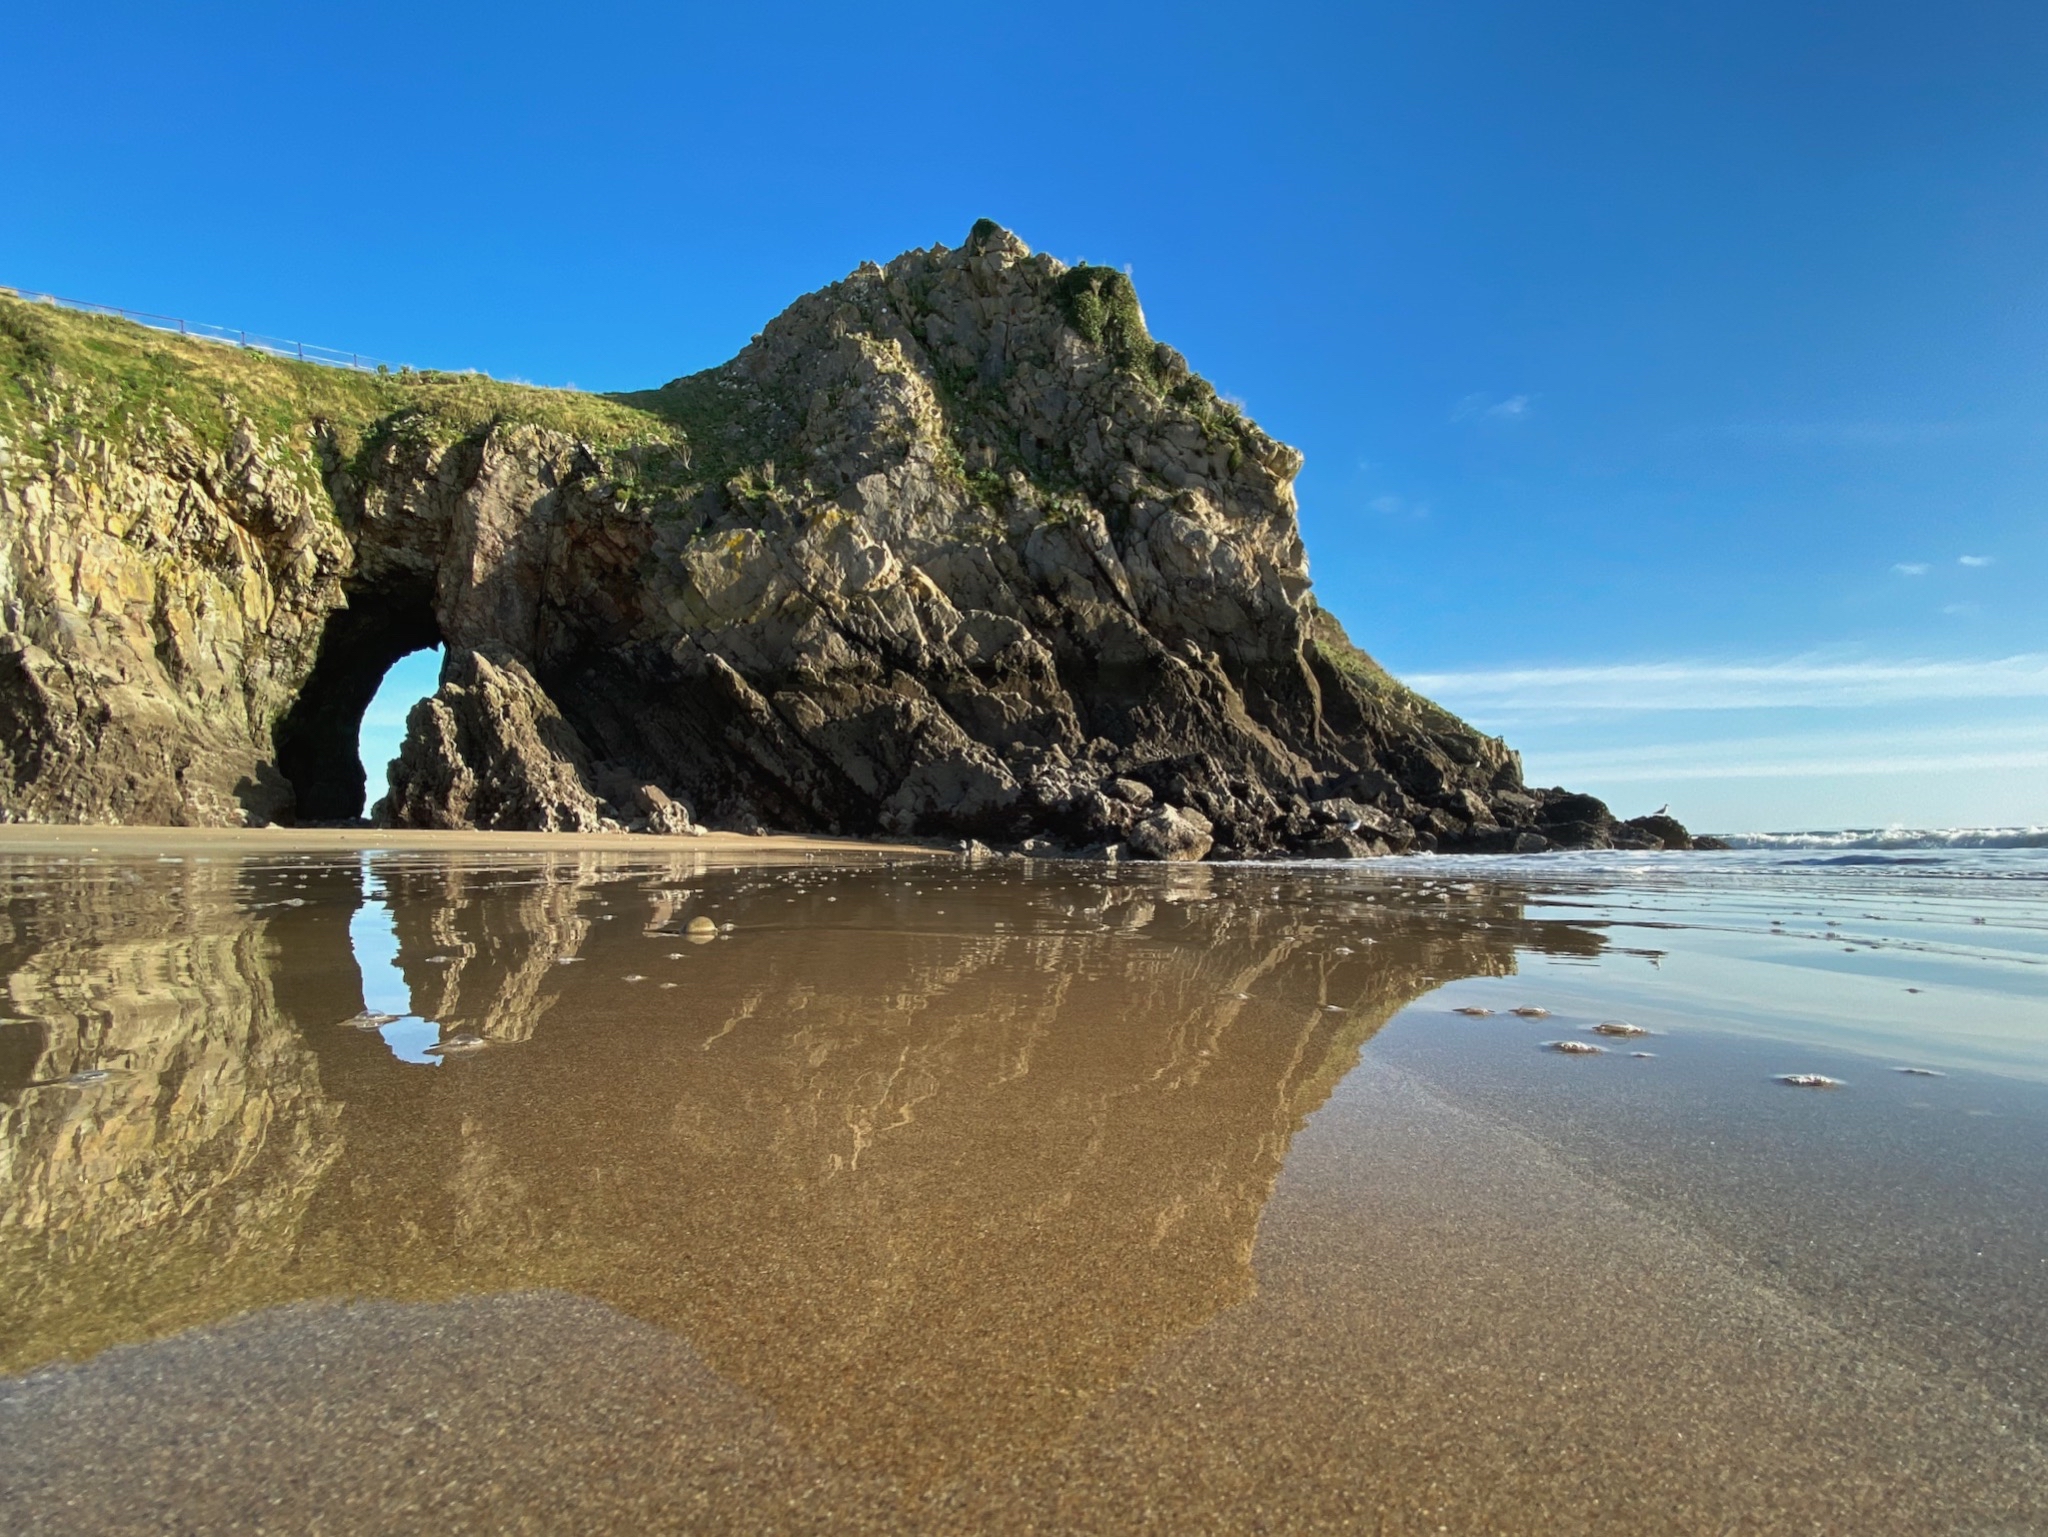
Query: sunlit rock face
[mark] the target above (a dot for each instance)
(928, 1158)
(954, 547)
(952, 555)
(161, 602)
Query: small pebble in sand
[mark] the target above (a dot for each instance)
(370, 1020)
(1577, 1048)
(1530, 1011)
(1341, 950)
(1920, 1072)
(568, 960)
(700, 930)
(1618, 1027)
(461, 1041)
(632, 976)
(667, 985)
(1335, 1008)
(1473, 1010)
(1810, 1080)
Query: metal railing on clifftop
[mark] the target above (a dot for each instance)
(277, 347)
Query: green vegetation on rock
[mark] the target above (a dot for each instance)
(67, 378)
(1102, 307)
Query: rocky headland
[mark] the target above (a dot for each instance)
(953, 548)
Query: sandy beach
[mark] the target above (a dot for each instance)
(50, 838)
(395, 1188)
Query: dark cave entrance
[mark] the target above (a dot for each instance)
(317, 739)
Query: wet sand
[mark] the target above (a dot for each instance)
(45, 838)
(940, 1199)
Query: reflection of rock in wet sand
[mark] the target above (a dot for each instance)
(500, 972)
(122, 1198)
(929, 1172)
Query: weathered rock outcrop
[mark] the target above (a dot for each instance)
(952, 548)
(490, 750)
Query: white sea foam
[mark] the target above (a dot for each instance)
(1895, 838)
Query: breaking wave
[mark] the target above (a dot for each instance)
(1895, 838)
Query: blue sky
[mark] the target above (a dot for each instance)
(1673, 380)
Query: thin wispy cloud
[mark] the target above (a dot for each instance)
(1928, 750)
(1592, 767)
(1483, 407)
(1911, 568)
(1707, 685)
(1974, 560)
(1390, 506)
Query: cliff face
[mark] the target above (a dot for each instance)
(953, 547)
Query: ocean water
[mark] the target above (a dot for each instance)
(1895, 838)
(423, 1191)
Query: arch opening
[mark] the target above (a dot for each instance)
(319, 739)
(412, 677)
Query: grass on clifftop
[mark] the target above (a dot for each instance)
(65, 374)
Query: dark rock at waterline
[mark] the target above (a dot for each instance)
(1665, 829)
(952, 549)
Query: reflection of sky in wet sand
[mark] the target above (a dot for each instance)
(1940, 960)
(374, 938)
